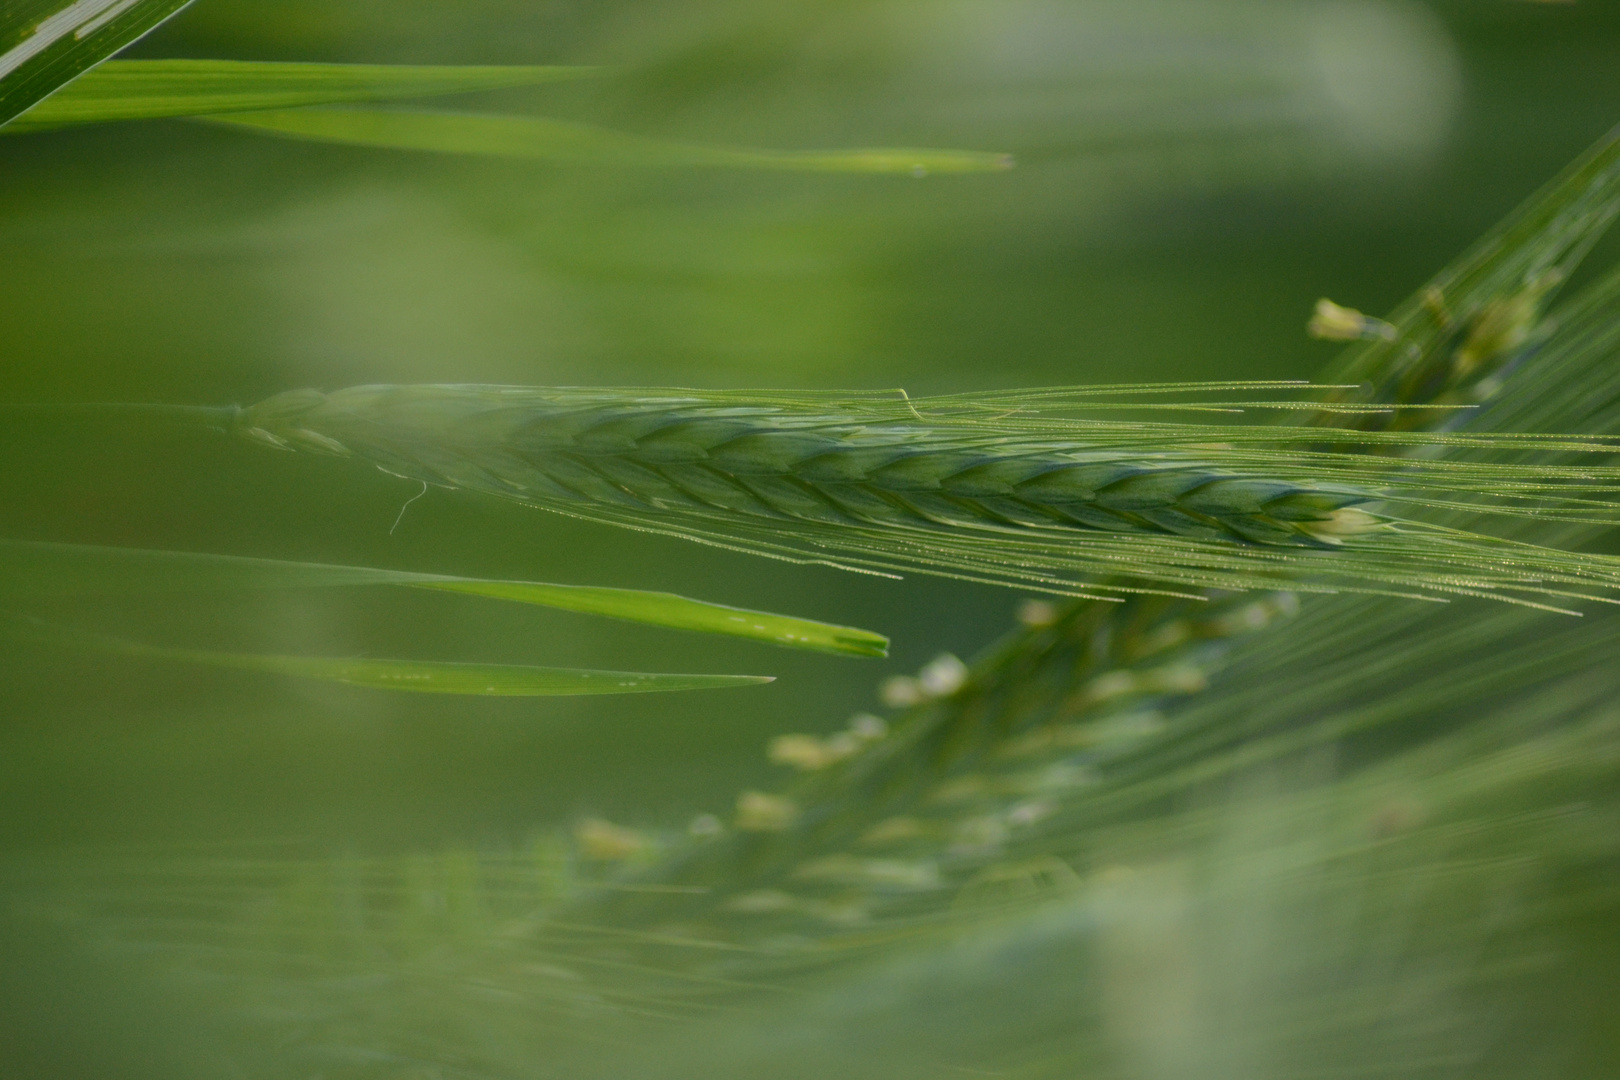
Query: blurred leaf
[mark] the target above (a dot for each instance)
(45, 569)
(539, 139)
(147, 89)
(416, 676)
(47, 44)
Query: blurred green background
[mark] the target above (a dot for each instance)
(1192, 175)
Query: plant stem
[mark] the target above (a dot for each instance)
(219, 418)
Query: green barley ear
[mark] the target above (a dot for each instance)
(1010, 487)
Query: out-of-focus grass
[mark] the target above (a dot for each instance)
(1172, 216)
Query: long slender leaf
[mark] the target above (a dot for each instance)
(671, 610)
(149, 89)
(45, 44)
(536, 138)
(45, 569)
(415, 676)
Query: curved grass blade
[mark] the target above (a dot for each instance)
(44, 45)
(30, 568)
(151, 89)
(677, 612)
(415, 676)
(535, 138)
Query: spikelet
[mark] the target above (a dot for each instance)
(960, 487)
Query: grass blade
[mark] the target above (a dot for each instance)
(44, 45)
(415, 676)
(535, 138)
(150, 89)
(46, 569)
(677, 612)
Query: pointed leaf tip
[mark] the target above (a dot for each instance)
(152, 89)
(31, 568)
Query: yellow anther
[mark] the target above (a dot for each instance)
(900, 692)
(944, 676)
(800, 751)
(1341, 524)
(1037, 613)
(607, 842)
(759, 812)
(1334, 322)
